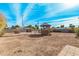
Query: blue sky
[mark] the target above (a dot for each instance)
(52, 13)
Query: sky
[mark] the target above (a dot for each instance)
(33, 13)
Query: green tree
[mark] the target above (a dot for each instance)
(12, 27)
(36, 27)
(30, 26)
(62, 26)
(17, 26)
(71, 25)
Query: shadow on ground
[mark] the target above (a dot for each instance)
(35, 35)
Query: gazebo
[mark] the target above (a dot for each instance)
(45, 28)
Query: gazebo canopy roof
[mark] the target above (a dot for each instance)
(45, 24)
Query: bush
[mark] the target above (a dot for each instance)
(16, 30)
(71, 30)
(77, 32)
(28, 30)
(45, 32)
(2, 33)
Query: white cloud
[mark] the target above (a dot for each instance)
(67, 21)
(28, 10)
(25, 14)
(15, 7)
(62, 7)
(17, 10)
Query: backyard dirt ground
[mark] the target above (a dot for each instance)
(25, 44)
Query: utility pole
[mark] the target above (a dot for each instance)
(22, 23)
(38, 24)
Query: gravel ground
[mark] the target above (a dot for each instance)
(69, 51)
(25, 44)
